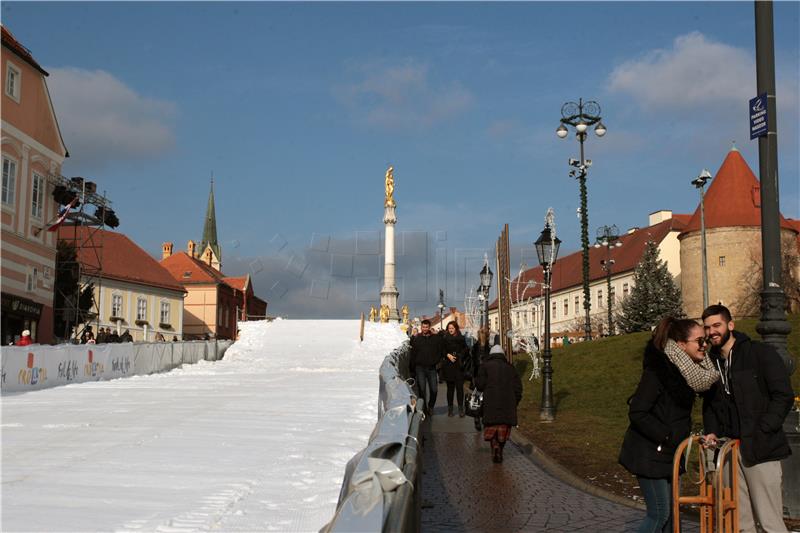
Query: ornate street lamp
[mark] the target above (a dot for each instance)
(700, 182)
(608, 237)
(441, 309)
(547, 250)
(580, 116)
(486, 284)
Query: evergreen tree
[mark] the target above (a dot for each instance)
(654, 294)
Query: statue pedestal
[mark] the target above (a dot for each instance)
(389, 292)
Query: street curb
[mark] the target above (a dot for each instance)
(538, 456)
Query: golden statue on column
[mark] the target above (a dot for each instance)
(389, 187)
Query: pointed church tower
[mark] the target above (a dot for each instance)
(210, 250)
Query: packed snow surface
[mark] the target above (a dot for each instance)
(255, 442)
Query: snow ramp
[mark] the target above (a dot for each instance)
(258, 441)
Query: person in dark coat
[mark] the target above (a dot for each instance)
(126, 337)
(455, 349)
(113, 336)
(427, 351)
(502, 392)
(479, 353)
(750, 402)
(675, 368)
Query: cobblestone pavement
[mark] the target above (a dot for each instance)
(462, 490)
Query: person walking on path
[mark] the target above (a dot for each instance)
(25, 339)
(675, 369)
(455, 348)
(502, 392)
(427, 351)
(480, 352)
(750, 402)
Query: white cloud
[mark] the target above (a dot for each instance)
(696, 71)
(104, 120)
(403, 96)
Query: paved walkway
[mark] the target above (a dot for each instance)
(462, 490)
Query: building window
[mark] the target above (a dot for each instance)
(9, 180)
(612, 293)
(31, 279)
(600, 298)
(116, 305)
(554, 310)
(577, 304)
(13, 81)
(37, 198)
(722, 260)
(624, 290)
(566, 307)
(164, 313)
(141, 309)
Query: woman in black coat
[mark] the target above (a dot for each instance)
(502, 391)
(479, 353)
(455, 348)
(660, 413)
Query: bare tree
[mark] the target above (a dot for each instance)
(749, 302)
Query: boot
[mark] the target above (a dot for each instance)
(449, 410)
(496, 457)
(500, 455)
(461, 411)
(477, 424)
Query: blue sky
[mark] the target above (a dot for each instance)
(298, 108)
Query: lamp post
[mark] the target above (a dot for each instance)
(608, 237)
(486, 284)
(547, 250)
(441, 309)
(580, 116)
(700, 183)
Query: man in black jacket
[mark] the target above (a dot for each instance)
(749, 402)
(427, 350)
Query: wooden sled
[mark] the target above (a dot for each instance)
(716, 497)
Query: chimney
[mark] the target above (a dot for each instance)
(190, 249)
(166, 250)
(207, 256)
(660, 216)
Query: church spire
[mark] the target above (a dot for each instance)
(210, 226)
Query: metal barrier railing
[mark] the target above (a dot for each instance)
(381, 486)
(718, 482)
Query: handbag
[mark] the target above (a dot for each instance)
(474, 404)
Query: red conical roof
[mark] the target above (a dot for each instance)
(733, 199)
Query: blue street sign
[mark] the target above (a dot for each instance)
(758, 116)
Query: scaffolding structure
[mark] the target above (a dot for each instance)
(87, 266)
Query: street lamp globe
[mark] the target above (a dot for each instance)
(486, 276)
(547, 247)
(562, 131)
(580, 127)
(600, 129)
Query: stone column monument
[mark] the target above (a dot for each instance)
(389, 291)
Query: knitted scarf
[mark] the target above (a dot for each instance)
(699, 376)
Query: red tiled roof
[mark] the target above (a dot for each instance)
(733, 199)
(117, 257)
(568, 271)
(15, 46)
(188, 270)
(239, 283)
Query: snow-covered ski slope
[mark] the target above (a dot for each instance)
(255, 442)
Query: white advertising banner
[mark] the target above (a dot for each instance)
(40, 366)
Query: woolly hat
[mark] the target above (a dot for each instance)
(496, 349)
(26, 333)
